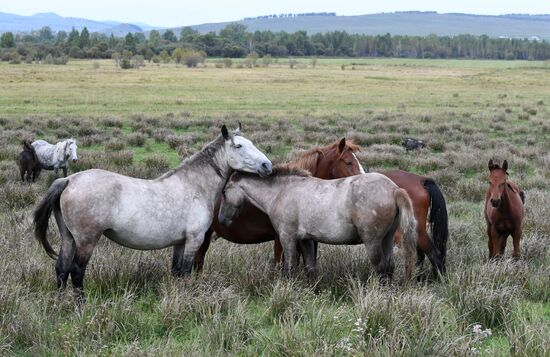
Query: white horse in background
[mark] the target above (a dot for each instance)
(54, 157)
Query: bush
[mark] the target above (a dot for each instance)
(137, 139)
(15, 58)
(192, 58)
(125, 64)
(227, 62)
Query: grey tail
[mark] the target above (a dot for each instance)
(43, 212)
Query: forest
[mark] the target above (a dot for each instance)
(234, 41)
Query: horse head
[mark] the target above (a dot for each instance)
(497, 182)
(242, 155)
(232, 201)
(339, 161)
(69, 150)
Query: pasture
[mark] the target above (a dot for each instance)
(142, 122)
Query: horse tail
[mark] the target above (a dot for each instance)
(407, 224)
(43, 212)
(438, 220)
(522, 196)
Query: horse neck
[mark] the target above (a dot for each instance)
(262, 193)
(505, 198)
(210, 175)
(323, 166)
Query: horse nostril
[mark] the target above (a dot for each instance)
(266, 166)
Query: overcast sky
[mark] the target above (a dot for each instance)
(176, 13)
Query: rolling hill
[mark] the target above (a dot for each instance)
(404, 23)
(397, 23)
(18, 23)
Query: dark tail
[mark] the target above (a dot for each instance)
(522, 196)
(43, 212)
(439, 221)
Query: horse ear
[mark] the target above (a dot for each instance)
(491, 164)
(239, 128)
(505, 165)
(225, 133)
(342, 145)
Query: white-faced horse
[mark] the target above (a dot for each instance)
(175, 209)
(54, 157)
(359, 209)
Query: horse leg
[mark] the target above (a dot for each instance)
(184, 254)
(502, 245)
(289, 250)
(307, 247)
(380, 252)
(64, 171)
(66, 253)
(495, 237)
(177, 260)
(277, 252)
(490, 241)
(198, 262)
(517, 236)
(84, 251)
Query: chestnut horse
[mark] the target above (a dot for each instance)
(504, 202)
(426, 198)
(252, 226)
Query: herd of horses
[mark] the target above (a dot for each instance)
(231, 188)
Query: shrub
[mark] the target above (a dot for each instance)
(192, 58)
(227, 62)
(125, 64)
(136, 139)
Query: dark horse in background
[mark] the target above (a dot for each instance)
(504, 203)
(338, 160)
(29, 166)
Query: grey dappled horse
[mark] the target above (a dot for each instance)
(175, 209)
(359, 209)
(54, 157)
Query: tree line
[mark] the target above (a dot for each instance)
(234, 41)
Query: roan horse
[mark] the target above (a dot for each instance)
(29, 166)
(173, 210)
(54, 157)
(335, 161)
(252, 226)
(359, 209)
(504, 202)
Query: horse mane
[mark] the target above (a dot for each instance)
(309, 159)
(205, 155)
(279, 170)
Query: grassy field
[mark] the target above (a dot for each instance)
(142, 122)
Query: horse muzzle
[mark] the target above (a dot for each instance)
(75, 160)
(265, 169)
(495, 202)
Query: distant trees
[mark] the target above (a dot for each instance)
(234, 41)
(7, 40)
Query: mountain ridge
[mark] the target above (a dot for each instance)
(420, 23)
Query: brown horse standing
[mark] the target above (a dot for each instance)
(252, 226)
(426, 198)
(504, 202)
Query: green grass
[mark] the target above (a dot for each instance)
(239, 305)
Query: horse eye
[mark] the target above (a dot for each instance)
(238, 146)
(349, 163)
